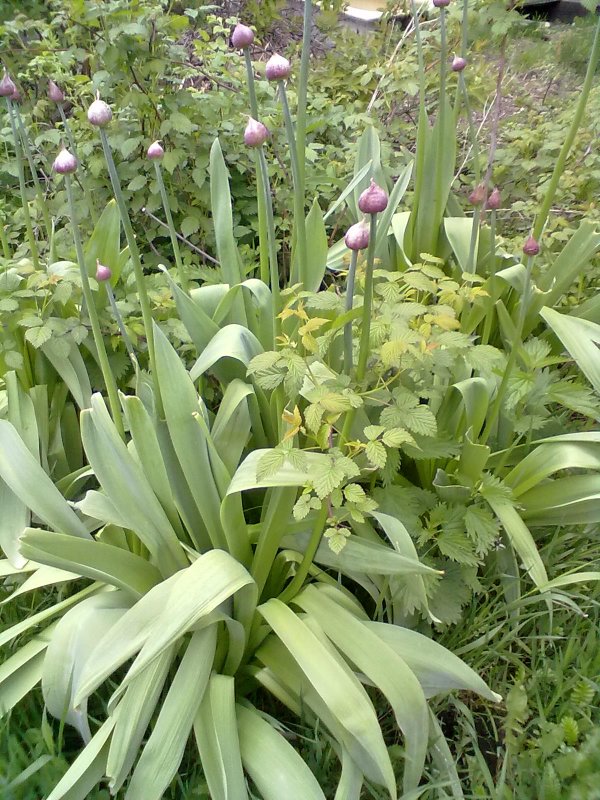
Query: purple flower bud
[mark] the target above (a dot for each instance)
(357, 236)
(55, 93)
(494, 200)
(373, 200)
(7, 87)
(99, 113)
(531, 247)
(242, 36)
(458, 63)
(155, 152)
(441, 3)
(16, 96)
(277, 68)
(477, 196)
(256, 134)
(102, 273)
(65, 162)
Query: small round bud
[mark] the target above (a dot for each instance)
(155, 152)
(441, 3)
(55, 93)
(7, 87)
(65, 162)
(256, 134)
(242, 36)
(477, 196)
(531, 247)
(277, 68)
(99, 113)
(494, 201)
(458, 63)
(102, 273)
(373, 200)
(357, 236)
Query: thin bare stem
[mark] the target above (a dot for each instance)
(183, 280)
(25, 205)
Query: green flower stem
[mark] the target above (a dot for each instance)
(263, 241)
(82, 181)
(28, 225)
(471, 263)
(349, 304)
(135, 258)
(487, 327)
(299, 218)
(172, 232)
(107, 374)
(273, 266)
(121, 324)
(316, 535)
(281, 501)
(36, 181)
(440, 122)
(302, 94)
(4, 240)
(365, 331)
(472, 132)
(559, 166)
(422, 124)
(516, 345)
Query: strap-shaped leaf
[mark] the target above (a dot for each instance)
(581, 338)
(571, 500)
(87, 769)
(550, 458)
(233, 342)
(220, 200)
(20, 673)
(23, 474)
(272, 763)
(520, 538)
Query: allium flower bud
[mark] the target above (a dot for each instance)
(441, 3)
(102, 273)
(277, 68)
(99, 113)
(477, 196)
(256, 133)
(55, 93)
(16, 96)
(65, 162)
(7, 87)
(155, 152)
(357, 236)
(531, 247)
(458, 63)
(373, 200)
(242, 36)
(494, 200)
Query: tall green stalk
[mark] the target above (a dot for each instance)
(82, 180)
(440, 122)
(181, 271)
(348, 338)
(365, 331)
(302, 93)
(107, 373)
(272, 242)
(559, 166)
(487, 326)
(28, 224)
(36, 181)
(4, 241)
(135, 257)
(299, 218)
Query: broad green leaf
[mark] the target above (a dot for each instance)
(164, 750)
(581, 338)
(23, 474)
(459, 231)
(316, 248)
(385, 219)
(233, 342)
(356, 180)
(91, 559)
(231, 428)
(549, 458)
(222, 217)
(569, 580)
(245, 477)
(520, 538)
(14, 518)
(570, 262)
(338, 689)
(368, 151)
(351, 779)
(198, 323)
(20, 673)
(104, 245)
(272, 763)
(383, 667)
(44, 576)
(564, 501)
(216, 733)
(85, 773)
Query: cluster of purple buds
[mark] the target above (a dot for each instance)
(373, 200)
(65, 162)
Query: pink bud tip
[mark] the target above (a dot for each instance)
(458, 63)
(99, 113)
(477, 196)
(55, 93)
(357, 236)
(7, 87)
(494, 200)
(531, 247)
(16, 96)
(155, 152)
(102, 273)
(277, 68)
(256, 134)
(373, 200)
(65, 162)
(242, 36)
(441, 3)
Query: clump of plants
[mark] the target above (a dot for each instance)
(268, 528)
